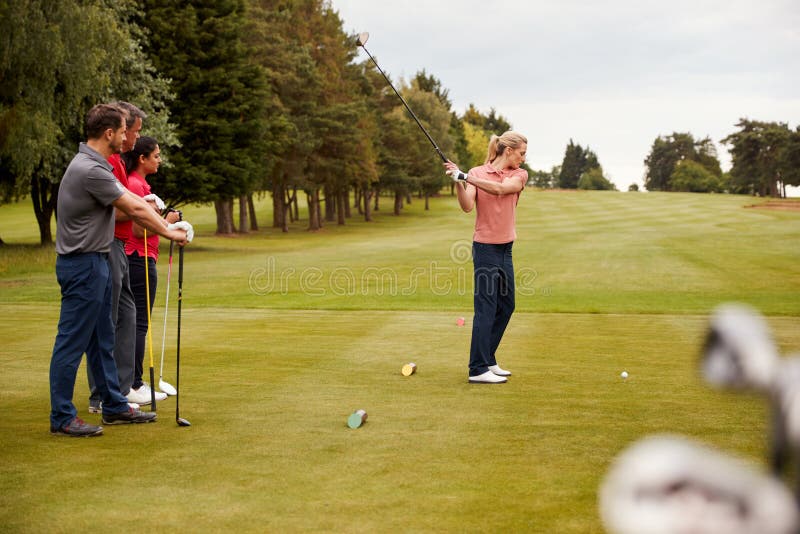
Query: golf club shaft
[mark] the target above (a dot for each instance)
(149, 329)
(178, 348)
(166, 311)
(435, 146)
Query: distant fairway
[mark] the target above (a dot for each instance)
(284, 335)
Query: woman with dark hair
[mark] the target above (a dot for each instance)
(140, 162)
(493, 189)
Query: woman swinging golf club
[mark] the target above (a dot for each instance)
(493, 189)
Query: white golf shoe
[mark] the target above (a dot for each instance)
(159, 395)
(487, 378)
(498, 371)
(142, 395)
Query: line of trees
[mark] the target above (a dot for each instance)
(580, 169)
(254, 96)
(244, 96)
(765, 159)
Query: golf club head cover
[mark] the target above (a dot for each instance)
(665, 484)
(739, 352)
(185, 226)
(159, 203)
(457, 175)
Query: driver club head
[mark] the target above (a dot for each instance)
(362, 38)
(182, 422)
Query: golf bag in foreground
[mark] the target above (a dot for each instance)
(667, 484)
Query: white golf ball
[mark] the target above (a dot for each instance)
(624, 374)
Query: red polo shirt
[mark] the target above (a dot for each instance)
(139, 186)
(122, 230)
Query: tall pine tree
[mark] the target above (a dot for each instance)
(220, 95)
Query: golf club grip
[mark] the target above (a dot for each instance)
(152, 390)
(403, 100)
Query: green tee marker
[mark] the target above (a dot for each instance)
(357, 418)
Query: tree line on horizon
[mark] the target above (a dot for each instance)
(254, 96)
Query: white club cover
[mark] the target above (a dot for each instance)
(669, 485)
(183, 225)
(739, 351)
(159, 203)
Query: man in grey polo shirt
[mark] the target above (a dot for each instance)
(87, 197)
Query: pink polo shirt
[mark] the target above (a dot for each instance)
(496, 218)
(139, 186)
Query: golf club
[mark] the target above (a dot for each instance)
(166, 387)
(178, 419)
(361, 40)
(740, 354)
(149, 326)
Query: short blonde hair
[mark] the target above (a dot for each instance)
(498, 145)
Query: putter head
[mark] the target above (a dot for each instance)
(182, 422)
(362, 38)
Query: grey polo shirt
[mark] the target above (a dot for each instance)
(85, 216)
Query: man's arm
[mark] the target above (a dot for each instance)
(120, 216)
(143, 214)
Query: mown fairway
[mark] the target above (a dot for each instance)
(284, 335)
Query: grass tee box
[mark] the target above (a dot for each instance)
(617, 282)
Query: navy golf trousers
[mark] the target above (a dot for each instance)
(493, 301)
(85, 325)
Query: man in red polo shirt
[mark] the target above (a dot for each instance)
(123, 306)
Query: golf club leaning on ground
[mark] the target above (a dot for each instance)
(178, 419)
(361, 40)
(166, 387)
(149, 326)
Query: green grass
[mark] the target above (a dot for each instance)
(607, 282)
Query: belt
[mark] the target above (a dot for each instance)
(76, 254)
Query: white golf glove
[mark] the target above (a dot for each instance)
(183, 225)
(457, 175)
(159, 203)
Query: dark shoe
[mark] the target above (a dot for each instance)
(77, 428)
(133, 415)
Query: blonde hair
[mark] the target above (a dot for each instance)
(498, 145)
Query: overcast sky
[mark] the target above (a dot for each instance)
(611, 75)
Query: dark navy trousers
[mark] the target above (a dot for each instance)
(85, 326)
(493, 301)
